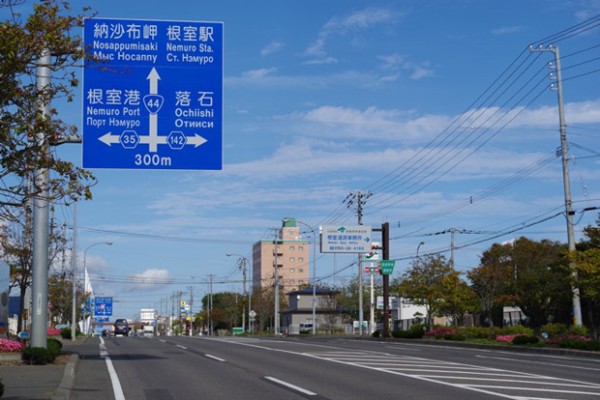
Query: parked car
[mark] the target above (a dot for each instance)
(121, 327)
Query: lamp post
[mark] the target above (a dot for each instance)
(418, 247)
(74, 291)
(243, 262)
(314, 277)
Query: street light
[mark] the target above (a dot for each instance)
(243, 262)
(419, 246)
(314, 277)
(74, 291)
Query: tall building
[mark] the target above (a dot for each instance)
(289, 251)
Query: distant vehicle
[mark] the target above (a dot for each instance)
(148, 330)
(121, 327)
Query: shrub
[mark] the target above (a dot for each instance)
(524, 339)
(54, 348)
(10, 346)
(377, 333)
(506, 338)
(65, 333)
(455, 336)
(36, 356)
(416, 331)
(1, 388)
(517, 330)
(578, 330)
(398, 333)
(554, 330)
(578, 344)
(480, 332)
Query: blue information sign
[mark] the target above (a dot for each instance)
(103, 306)
(153, 94)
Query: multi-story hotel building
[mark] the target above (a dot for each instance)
(291, 254)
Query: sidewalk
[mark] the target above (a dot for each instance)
(52, 381)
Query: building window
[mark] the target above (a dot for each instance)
(292, 259)
(300, 248)
(300, 270)
(300, 259)
(292, 248)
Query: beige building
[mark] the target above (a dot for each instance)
(289, 251)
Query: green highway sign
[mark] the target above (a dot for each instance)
(387, 266)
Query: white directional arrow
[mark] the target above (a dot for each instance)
(109, 139)
(153, 77)
(196, 140)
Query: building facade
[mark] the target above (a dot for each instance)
(291, 255)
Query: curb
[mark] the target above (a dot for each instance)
(63, 392)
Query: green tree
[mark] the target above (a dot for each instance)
(23, 41)
(459, 300)
(541, 281)
(427, 282)
(491, 281)
(586, 261)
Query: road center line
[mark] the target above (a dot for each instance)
(290, 386)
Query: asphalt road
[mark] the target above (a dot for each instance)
(325, 368)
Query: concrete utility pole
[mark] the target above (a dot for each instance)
(41, 217)
(577, 319)
(74, 272)
(360, 199)
(242, 264)
(276, 288)
(314, 276)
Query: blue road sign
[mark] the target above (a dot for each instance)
(103, 306)
(153, 94)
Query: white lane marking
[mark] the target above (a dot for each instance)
(214, 357)
(114, 378)
(181, 347)
(359, 358)
(539, 362)
(162, 340)
(291, 386)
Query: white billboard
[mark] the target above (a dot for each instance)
(346, 239)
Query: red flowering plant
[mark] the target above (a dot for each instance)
(10, 346)
(440, 332)
(507, 338)
(53, 332)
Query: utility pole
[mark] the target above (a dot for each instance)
(191, 288)
(360, 199)
(577, 319)
(385, 250)
(41, 216)
(74, 272)
(276, 288)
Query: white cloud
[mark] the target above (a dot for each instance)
(152, 278)
(259, 73)
(506, 30)
(271, 48)
(340, 26)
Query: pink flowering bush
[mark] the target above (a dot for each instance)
(10, 346)
(439, 332)
(559, 339)
(507, 338)
(53, 332)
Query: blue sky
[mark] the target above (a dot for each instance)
(437, 108)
